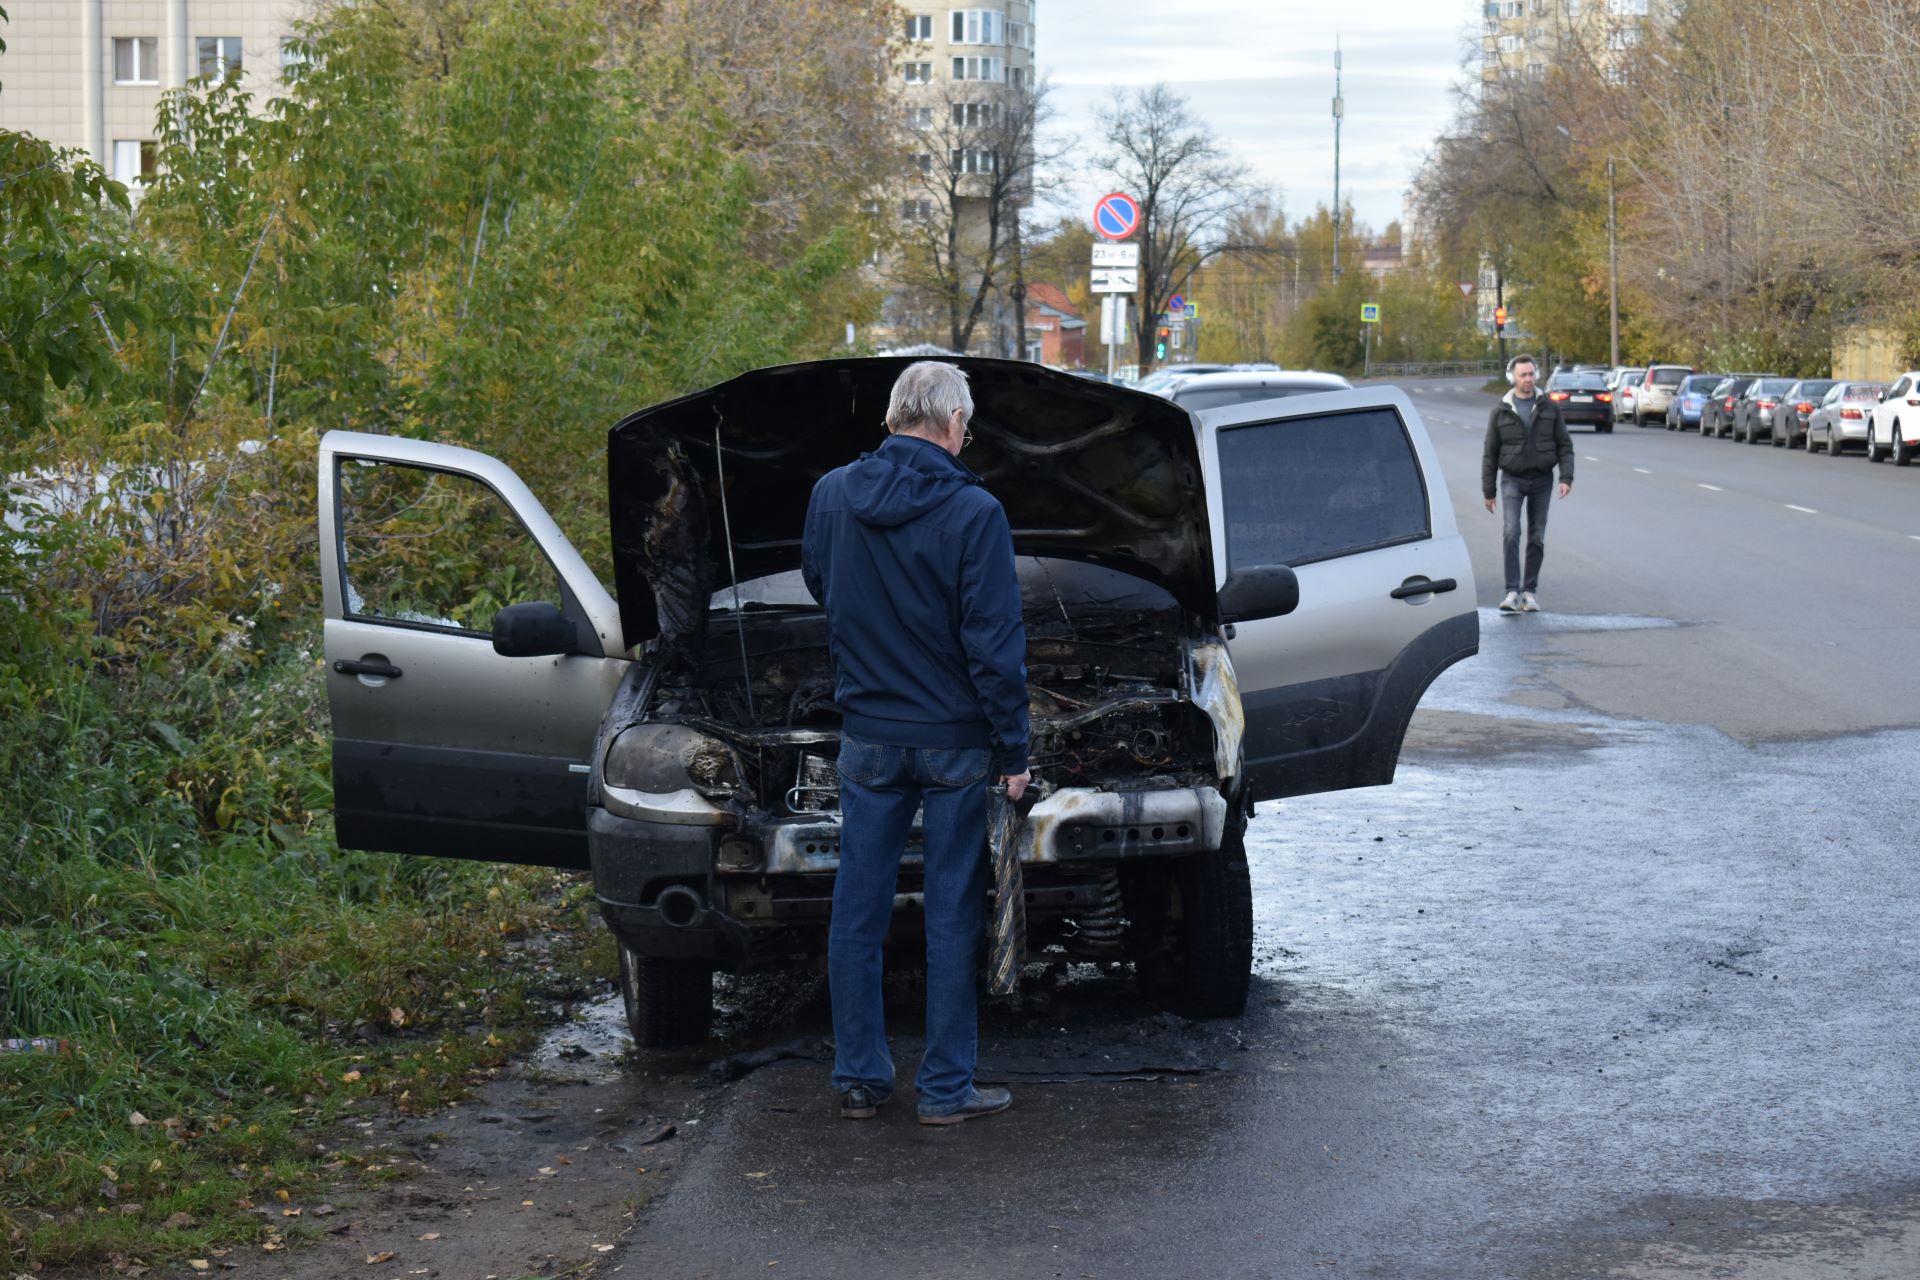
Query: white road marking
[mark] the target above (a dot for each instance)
(1716, 488)
(1914, 536)
(1809, 510)
(1643, 471)
(1587, 457)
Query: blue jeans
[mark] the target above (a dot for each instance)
(880, 788)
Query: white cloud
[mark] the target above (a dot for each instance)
(1261, 74)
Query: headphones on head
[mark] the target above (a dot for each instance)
(1523, 357)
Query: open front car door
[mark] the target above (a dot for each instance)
(470, 654)
(1344, 489)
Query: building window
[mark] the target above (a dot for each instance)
(1020, 35)
(975, 160)
(919, 209)
(974, 115)
(920, 27)
(971, 68)
(133, 161)
(1627, 8)
(924, 162)
(1017, 77)
(1512, 44)
(979, 26)
(218, 55)
(919, 72)
(136, 60)
(919, 117)
(1625, 38)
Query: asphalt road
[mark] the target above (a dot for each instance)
(1619, 979)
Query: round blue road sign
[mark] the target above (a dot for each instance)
(1115, 216)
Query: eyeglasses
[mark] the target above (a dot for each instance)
(966, 436)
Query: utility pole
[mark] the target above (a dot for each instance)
(1339, 111)
(1613, 269)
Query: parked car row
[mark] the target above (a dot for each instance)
(1833, 415)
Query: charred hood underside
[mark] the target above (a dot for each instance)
(1086, 471)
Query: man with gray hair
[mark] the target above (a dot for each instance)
(912, 560)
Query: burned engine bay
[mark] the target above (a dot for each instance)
(1114, 681)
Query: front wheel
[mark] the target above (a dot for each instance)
(669, 999)
(1901, 454)
(1873, 445)
(1194, 927)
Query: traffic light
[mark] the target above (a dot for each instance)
(1160, 342)
(1499, 319)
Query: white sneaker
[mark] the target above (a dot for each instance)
(1510, 603)
(1528, 604)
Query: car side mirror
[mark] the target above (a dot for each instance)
(1265, 591)
(535, 629)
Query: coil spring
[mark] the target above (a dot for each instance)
(1103, 921)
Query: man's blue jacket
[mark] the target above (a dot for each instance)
(913, 561)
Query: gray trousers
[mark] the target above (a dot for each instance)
(1533, 492)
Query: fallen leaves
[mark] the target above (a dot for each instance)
(385, 1255)
(136, 1120)
(603, 1248)
(352, 1077)
(431, 1235)
(199, 1264)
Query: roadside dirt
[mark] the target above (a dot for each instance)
(539, 1174)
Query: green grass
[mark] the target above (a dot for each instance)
(172, 904)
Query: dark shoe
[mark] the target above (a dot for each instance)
(861, 1103)
(981, 1102)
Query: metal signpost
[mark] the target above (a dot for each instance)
(1116, 267)
(1369, 316)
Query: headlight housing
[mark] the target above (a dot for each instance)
(663, 758)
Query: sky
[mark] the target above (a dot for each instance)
(1260, 72)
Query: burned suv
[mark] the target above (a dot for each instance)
(1223, 608)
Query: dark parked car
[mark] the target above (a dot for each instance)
(1795, 408)
(1221, 607)
(1753, 411)
(1691, 400)
(1840, 420)
(1717, 418)
(1583, 399)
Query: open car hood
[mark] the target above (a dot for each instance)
(1086, 471)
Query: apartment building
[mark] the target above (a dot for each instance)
(963, 69)
(1520, 37)
(89, 74)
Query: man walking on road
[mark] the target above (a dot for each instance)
(1526, 438)
(913, 561)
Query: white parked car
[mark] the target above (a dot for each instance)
(1893, 429)
(1651, 394)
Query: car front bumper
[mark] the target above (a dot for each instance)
(760, 872)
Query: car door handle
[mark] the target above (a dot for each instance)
(368, 666)
(1406, 589)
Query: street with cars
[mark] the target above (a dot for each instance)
(1614, 979)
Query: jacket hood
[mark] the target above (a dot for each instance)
(1086, 471)
(903, 479)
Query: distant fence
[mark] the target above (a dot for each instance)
(1434, 369)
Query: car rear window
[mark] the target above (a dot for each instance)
(1771, 386)
(1814, 390)
(1198, 398)
(1700, 384)
(1668, 377)
(1866, 390)
(1312, 488)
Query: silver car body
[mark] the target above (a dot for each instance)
(1202, 391)
(1840, 419)
(444, 746)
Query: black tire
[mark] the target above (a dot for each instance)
(1900, 453)
(1834, 446)
(1873, 447)
(1196, 940)
(669, 1000)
